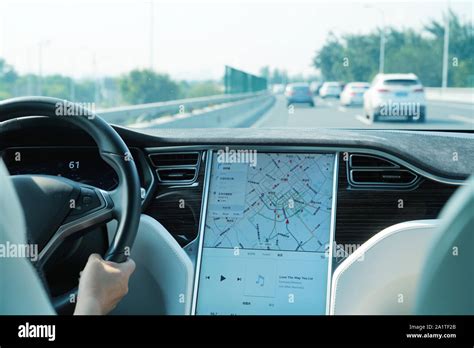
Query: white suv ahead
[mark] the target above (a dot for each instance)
(395, 97)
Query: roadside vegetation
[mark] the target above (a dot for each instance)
(350, 57)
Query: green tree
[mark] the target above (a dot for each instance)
(329, 59)
(355, 57)
(203, 89)
(461, 49)
(56, 86)
(410, 52)
(265, 72)
(279, 76)
(361, 51)
(84, 91)
(8, 78)
(146, 86)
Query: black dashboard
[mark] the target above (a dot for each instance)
(381, 177)
(79, 163)
(82, 164)
(376, 168)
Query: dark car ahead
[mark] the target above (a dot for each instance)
(299, 93)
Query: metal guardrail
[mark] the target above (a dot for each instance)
(145, 112)
(242, 113)
(462, 95)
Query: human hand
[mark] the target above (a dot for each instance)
(102, 285)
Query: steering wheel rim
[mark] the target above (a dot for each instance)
(123, 202)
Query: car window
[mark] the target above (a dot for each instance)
(301, 88)
(401, 82)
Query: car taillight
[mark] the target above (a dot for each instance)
(382, 90)
(418, 90)
(290, 93)
(353, 93)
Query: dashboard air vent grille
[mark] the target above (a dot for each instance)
(368, 161)
(176, 174)
(373, 172)
(382, 176)
(175, 168)
(175, 159)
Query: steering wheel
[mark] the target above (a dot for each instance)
(57, 208)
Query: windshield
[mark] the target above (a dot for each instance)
(300, 88)
(209, 64)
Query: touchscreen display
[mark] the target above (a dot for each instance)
(265, 246)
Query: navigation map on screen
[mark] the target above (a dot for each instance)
(267, 236)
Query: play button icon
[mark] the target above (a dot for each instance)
(222, 277)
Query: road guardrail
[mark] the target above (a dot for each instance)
(126, 115)
(242, 113)
(460, 95)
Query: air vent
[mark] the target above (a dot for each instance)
(373, 172)
(369, 176)
(368, 161)
(176, 174)
(175, 159)
(175, 168)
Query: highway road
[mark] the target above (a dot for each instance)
(329, 113)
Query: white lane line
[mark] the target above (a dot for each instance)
(268, 114)
(329, 103)
(363, 120)
(462, 118)
(342, 108)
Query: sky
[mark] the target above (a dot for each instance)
(191, 39)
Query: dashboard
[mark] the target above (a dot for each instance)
(81, 164)
(264, 231)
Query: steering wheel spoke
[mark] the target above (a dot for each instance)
(93, 207)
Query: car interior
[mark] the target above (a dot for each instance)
(251, 159)
(399, 198)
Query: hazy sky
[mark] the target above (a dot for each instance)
(191, 39)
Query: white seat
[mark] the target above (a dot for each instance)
(412, 267)
(381, 276)
(21, 290)
(447, 281)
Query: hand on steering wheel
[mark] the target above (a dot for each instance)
(102, 285)
(57, 208)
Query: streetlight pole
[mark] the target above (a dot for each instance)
(96, 80)
(152, 22)
(3, 29)
(444, 82)
(382, 47)
(382, 38)
(41, 45)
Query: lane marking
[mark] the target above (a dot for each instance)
(462, 118)
(269, 113)
(342, 108)
(363, 119)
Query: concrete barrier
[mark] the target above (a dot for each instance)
(126, 115)
(243, 113)
(459, 95)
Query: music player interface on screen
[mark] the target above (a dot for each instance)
(267, 235)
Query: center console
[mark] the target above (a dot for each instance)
(265, 241)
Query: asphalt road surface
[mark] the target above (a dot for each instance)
(329, 113)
